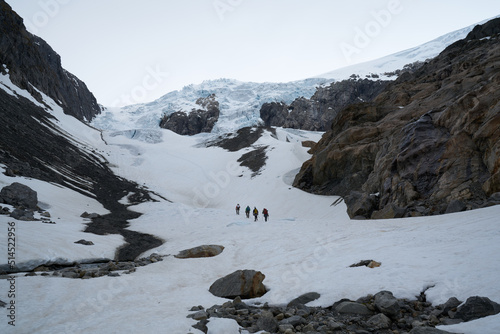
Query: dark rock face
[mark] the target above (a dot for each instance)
(242, 283)
(33, 64)
(317, 113)
(429, 143)
(196, 121)
(18, 194)
(32, 145)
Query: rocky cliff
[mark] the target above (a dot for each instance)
(195, 121)
(428, 144)
(317, 113)
(34, 66)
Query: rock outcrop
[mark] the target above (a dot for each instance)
(34, 66)
(317, 113)
(428, 144)
(195, 121)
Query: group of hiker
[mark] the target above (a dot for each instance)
(255, 212)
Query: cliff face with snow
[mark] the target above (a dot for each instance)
(34, 66)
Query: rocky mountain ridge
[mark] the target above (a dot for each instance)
(34, 66)
(428, 144)
(316, 113)
(33, 90)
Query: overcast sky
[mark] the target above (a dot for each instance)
(130, 51)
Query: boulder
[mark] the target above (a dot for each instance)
(84, 242)
(304, 299)
(243, 283)
(386, 303)
(19, 195)
(477, 307)
(200, 251)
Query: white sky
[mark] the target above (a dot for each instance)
(130, 51)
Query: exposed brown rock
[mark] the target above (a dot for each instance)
(430, 138)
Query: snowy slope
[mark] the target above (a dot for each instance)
(240, 102)
(307, 245)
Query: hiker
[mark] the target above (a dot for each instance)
(237, 209)
(265, 213)
(255, 213)
(247, 211)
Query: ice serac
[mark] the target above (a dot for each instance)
(34, 66)
(430, 140)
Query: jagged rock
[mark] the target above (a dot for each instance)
(19, 195)
(317, 113)
(243, 283)
(386, 303)
(430, 138)
(34, 66)
(477, 307)
(450, 305)
(195, 121)
(352, 308)
(84, 242)
(200, 251)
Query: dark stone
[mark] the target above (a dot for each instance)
(19, 195)
(243, 283)
(477, 307)
(84, 242)
(386, 303)
(304, 299)
(267, 323)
